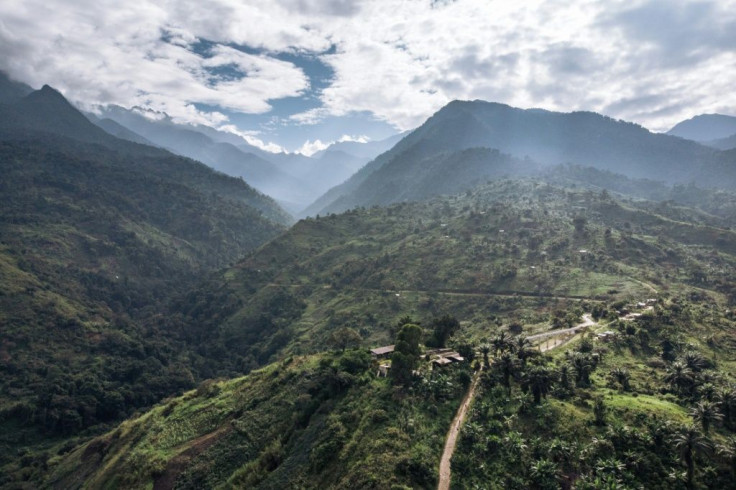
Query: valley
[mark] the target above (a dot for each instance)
(166, 325)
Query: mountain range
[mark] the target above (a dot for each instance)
(466, 142)
(293, 179)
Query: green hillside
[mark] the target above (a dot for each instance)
(92, 243)
(308, 422)
(509, 256)
(509, 250)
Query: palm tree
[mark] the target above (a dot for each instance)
(500, 343)
(583, 366)
(506, 365)
(694, 361)
(599, 411)
(689, 441)
(564, 377)
(727, 400)
(540, 380)
(680, 376)
(706, 413)
(545, 474)
(485, 349)
(515, 445)
(523, 348)
(621, 376)
(728, 452)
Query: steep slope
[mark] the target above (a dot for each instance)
(220, 155)
(314, 422)
(120, 131)
(545, 137)
(705, 128)
(294, 180)
(415, 179)
(46, 111)
(96, 235)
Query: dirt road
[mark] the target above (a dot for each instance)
(451, 440)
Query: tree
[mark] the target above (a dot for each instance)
(679, 376)
(344, 337)
(540, 381)
(544, 474)
(706, 413)
(621, 376)
(579, 223)
(728, 452)
(694, 361)
(583, 366)
(523, 348)
(442, 329)
(689, 441)
(500, 343)
(406, 353)
(485, 349)
(599, 411)
(564, 377)
(505, 364)
(727, 401)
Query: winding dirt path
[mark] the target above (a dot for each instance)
(451, 440)
(457, 422)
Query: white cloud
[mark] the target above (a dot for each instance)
(309, 148)
(140, 53)
(651, 61)
(250, 138)
(404, 60)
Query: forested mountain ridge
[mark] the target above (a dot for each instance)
(96, 235)
(545, 137)
(47, 112)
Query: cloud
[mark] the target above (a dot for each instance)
(309, 148)
(145, 53)
(651, 61)
(404, 60)
(251, 139)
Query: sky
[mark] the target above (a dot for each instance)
(296, 75)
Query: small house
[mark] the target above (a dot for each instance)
(382, 352)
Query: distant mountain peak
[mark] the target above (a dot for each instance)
(48, 94)
(705, 127)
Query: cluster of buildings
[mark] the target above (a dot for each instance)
(436, 357)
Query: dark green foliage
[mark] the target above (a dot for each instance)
(345, 337)
(96, 237)
(442, 328)
(406, 354)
